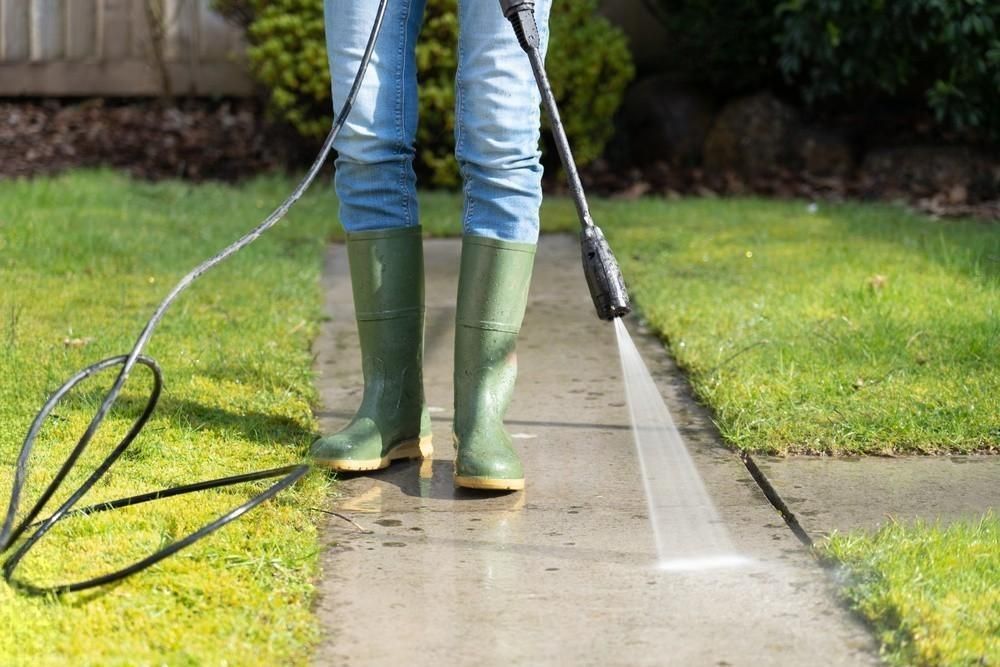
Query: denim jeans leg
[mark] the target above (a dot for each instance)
(497, 124)
(375, 181)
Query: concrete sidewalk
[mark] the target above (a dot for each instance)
(863, 493)
(562, 573)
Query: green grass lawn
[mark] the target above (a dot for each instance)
(854, 329)
(931, 592)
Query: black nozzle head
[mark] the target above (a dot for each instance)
(521, 14)
(511, 7)
(604, 278)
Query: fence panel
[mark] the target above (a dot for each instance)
(108, 47)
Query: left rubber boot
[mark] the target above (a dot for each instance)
(387, 279)
(492, 296)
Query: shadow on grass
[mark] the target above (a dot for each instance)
(252, 426)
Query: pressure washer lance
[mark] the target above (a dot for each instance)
(604, 278)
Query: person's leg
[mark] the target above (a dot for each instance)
(496, 143)
(378, 208)
(497, 117)
(374, 168)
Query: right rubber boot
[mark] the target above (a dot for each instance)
(492, 297)
(387, 278)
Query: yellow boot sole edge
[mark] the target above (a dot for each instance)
(417, 448)
(489, 483)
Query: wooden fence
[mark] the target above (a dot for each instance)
(110, 47)
(118, 47)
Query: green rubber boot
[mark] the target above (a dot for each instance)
(492, 295)
(387, 277)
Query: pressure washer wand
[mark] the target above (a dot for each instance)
(604, 278)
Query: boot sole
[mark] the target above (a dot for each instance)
(489, 483)
(418, 448)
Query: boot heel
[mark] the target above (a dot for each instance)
(418, 448)
(489, 484)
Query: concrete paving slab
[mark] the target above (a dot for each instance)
(564, 572)
(844, 494)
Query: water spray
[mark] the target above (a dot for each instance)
(604, 278)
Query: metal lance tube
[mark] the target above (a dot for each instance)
(604, 277)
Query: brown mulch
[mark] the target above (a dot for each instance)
(671, 182)
(197, 140)
(231, 140)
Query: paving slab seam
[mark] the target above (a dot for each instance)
(837, 494)
(773, 497)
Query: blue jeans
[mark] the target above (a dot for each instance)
(496, 119)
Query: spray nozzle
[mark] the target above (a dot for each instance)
(521, 14)
(604, 278)
(511, 6)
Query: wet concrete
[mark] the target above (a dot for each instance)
(564, 572)
(828, 494)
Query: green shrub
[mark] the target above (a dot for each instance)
(589, 64)
(846, 53)
(944, 51)
(287, 54)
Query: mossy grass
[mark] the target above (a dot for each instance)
(837, 329)
(84, 258)
(930, 591)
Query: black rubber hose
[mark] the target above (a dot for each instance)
(9, 534)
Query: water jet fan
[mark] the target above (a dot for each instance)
(688, 533)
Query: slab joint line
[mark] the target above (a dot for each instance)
(775, 499)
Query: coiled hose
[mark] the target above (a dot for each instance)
(287, 475)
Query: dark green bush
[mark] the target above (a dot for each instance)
(287, 54)
(845, 54)
(589, 62)
(725, 45)
(590, 65)
(945, 51)
(437, 58)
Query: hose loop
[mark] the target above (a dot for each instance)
(13, 540)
